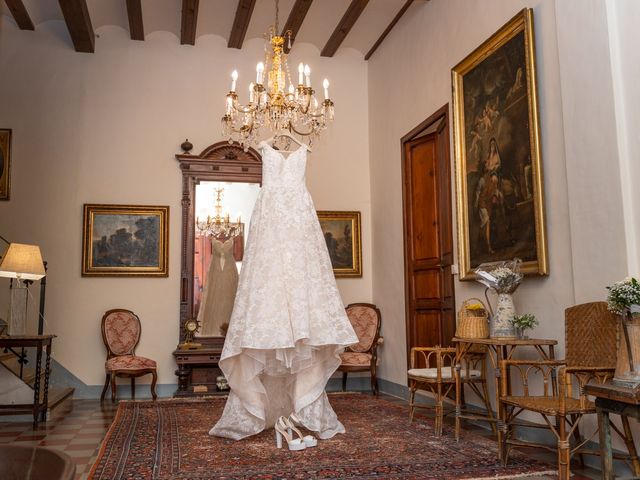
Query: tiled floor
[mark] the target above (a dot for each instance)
(78, 427)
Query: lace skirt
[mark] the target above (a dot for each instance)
(288, 325)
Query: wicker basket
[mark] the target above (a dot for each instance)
(473, 323)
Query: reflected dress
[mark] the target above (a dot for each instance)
(288, 325)
(220, 288)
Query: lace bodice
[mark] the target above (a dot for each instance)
(281, 171)
(223, 251)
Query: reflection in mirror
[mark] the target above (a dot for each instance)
(223, 212)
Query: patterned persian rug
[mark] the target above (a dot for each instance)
(168, 439)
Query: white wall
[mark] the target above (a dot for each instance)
(624, 37)
(104, 128)
(587, 71)
(591, 148)
(404, 90)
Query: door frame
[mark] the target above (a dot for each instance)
(440, 116)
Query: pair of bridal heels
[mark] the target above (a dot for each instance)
(286, 427)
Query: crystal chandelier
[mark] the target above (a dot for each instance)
(219, 224)
(294, 109)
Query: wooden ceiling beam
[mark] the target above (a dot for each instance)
(20, 14)
(189, 22)
(134, 13)
(388, 29)
(241, 23)
(296, 17)
(76, 16)
(349, 19)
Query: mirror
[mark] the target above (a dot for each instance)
(223, 212)
(219, 189)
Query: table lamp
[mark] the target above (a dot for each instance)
(23, 263)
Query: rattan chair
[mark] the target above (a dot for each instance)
(590, 347)
(443, 381)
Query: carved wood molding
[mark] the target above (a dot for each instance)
(223, 162)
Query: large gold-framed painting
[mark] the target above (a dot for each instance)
(125, 240)
(341, 232)
(500, 203)
(5, 163)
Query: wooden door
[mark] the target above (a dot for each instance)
(428, 238)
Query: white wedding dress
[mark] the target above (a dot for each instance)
(288, 325)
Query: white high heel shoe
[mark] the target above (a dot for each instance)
(291, 422)
(282, 430)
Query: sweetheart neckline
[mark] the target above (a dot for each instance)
(222, 243)
(280, 152)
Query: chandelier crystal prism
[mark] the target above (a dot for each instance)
(273, 105)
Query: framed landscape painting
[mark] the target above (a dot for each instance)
(500, 204)
(5, 163)
(341, 232)
(125, 240)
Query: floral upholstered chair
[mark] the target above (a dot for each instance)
(121, 333)
(363, 356)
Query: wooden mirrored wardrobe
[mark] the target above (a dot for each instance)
(219, 187)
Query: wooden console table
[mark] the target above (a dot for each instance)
(198, 368)
(499, 349)
(40, 398)
(623, 401)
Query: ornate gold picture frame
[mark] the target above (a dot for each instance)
(341, 231)
(500, 203)
(5, 163)
(125, 240)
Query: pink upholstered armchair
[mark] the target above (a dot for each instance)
(363, 356)
(121, 331)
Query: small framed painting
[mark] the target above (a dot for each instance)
(125, 240)
(341, 232)
(500, 198)
(5, 163)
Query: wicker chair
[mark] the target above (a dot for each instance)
(363, 356)
(443, 380)
(590, 347)
(121, 331)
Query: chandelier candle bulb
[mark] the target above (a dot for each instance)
(307, 75)
(300, 73)
(234, 78)
(325, 84)
(251, 92)
(259, 71)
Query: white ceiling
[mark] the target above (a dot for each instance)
(216, 17)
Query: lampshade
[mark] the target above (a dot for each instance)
(23, 262)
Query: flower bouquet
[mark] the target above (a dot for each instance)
(624, 296)
(503, 278)
(624, 299)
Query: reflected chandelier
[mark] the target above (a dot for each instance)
(294, 109)
(219, 224)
